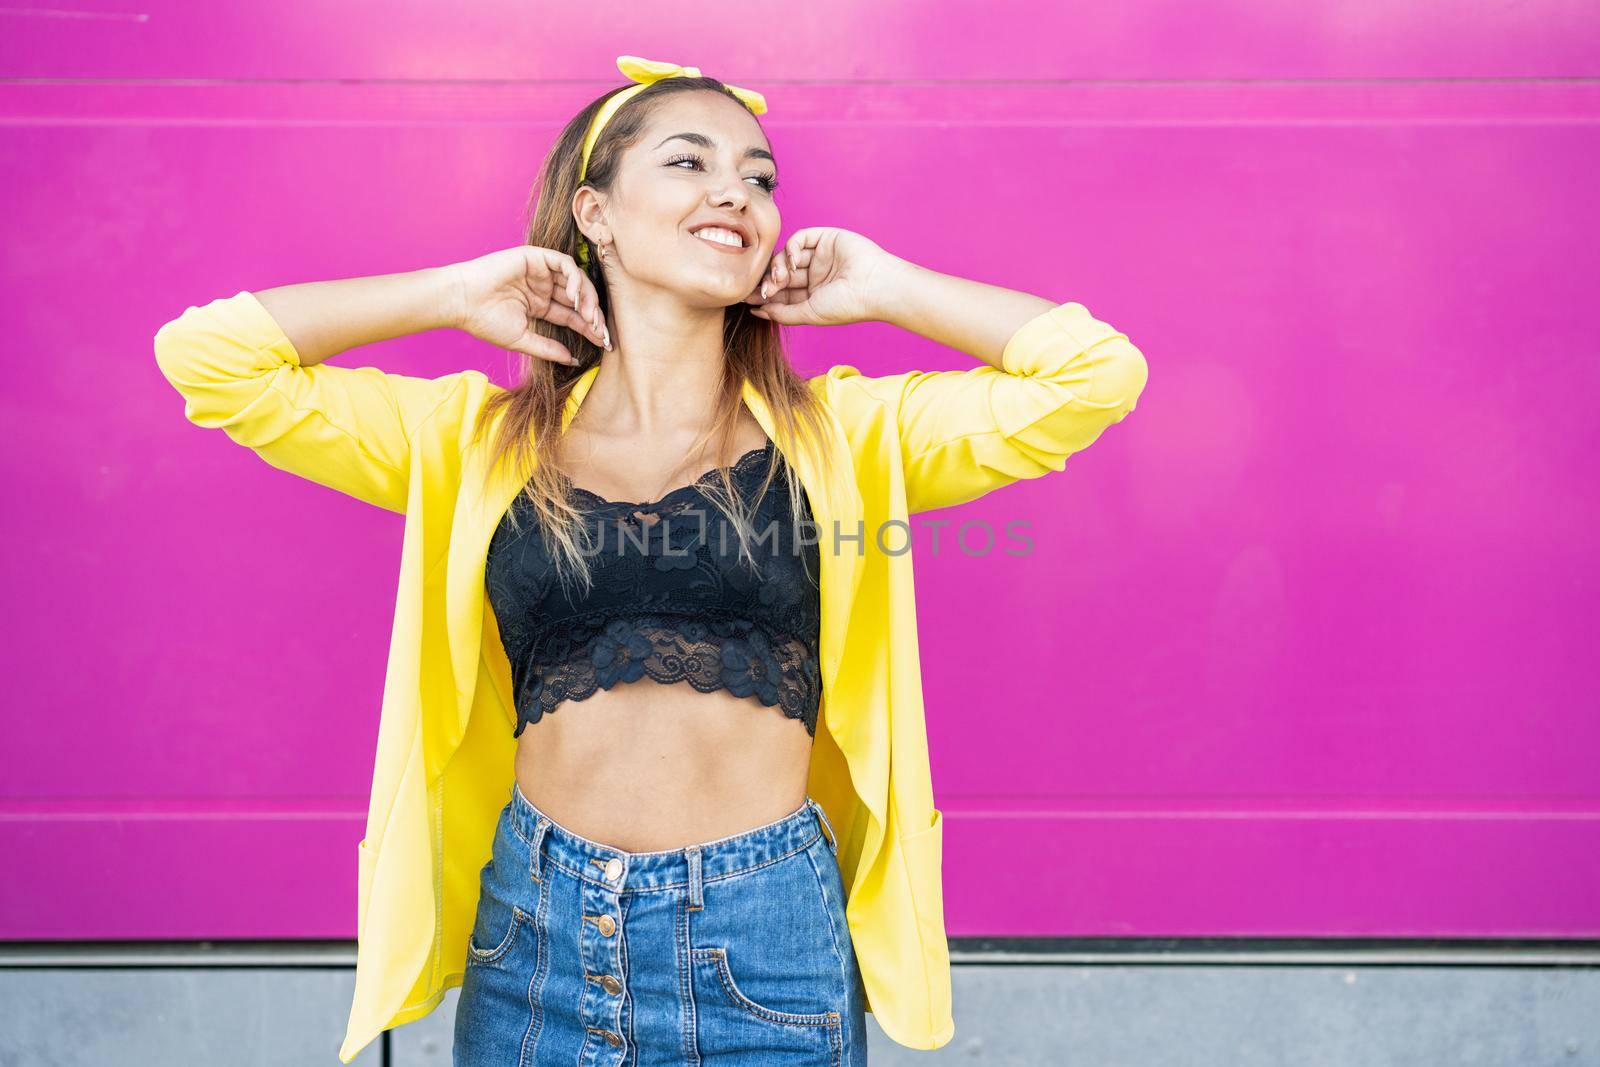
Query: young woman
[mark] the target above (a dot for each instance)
(743, 865)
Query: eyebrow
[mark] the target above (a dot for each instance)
(705, 142)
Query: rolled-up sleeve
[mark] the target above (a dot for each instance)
(1065, 377)
(347, 428)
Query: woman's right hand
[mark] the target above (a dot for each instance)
(498, 297)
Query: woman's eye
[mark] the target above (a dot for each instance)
(768, 182)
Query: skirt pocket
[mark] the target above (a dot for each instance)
(712, 966)
(505, 924)
(495, 929)
(766, 970)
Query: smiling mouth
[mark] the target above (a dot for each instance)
(722, 238)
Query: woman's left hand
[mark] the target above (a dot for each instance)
(826, 276)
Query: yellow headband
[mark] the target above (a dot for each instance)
(646, 72)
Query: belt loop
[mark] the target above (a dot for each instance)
(536, 848)
(827, 827)
(696, 899)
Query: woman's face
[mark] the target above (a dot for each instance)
(702, 161)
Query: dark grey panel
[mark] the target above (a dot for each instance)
(1229, 1016)
(1100, 1014)
(1269, 1016)
(175, 1017)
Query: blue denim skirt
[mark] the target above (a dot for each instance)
(733, 951)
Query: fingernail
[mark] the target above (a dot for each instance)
(764, 287)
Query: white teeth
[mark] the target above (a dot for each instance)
(720, 236)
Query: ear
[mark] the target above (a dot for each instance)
(588, 209)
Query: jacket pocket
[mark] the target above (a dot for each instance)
(366, 863)
(923, 853)
(924, 859)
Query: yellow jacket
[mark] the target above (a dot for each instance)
(903, 443)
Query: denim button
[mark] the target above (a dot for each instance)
(608, 925)
(613, 869)
(610, 984)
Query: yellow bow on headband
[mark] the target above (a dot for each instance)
(646, 72)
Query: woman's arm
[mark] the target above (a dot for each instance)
(254, 364)
(1055, 379)
(968, 316)
(241, 369)
(322, 319)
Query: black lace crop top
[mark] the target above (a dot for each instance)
(670, 599)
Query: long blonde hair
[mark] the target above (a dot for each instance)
(529, 414)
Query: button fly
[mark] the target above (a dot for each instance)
(610, 1037)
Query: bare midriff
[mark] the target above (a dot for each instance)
(646, 766)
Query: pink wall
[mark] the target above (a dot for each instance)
(1303, 647)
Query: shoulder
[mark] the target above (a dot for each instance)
(849, 392)
(455, 402)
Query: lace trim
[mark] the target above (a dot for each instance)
(674, 629)
(600, 651)
(743, 465)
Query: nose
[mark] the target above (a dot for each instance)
(727, 195)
